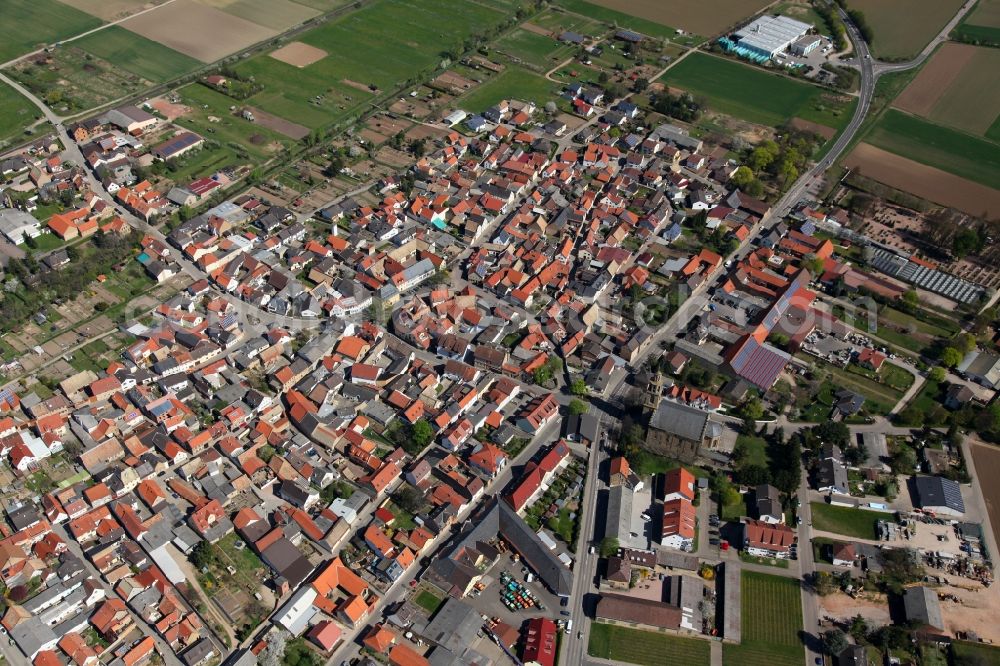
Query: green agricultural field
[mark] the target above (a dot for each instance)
(904, 39)
(754, 95)
(977, 34)
(534, 49)
(512, 83)
(373, 46)
(610, 16)
(844, 520)
(647, 648)
(950, 150)
(134, 53)
(16, 113)
(32, 24)
(771, 612)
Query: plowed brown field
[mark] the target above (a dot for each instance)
(926, 182)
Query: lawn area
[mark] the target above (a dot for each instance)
(612, 17)
(372, 46)
(771, 608)
(150, 60)
(818, 409)
(898, 39)
(645, 463)
(845, 520)
(46, 241)
(879, 398)
(512, 83)
(929, 396)
(951, 150)
(429, 602)
(16, 113)
(32, 24)
(248, 566)
(757, 96)
(646, 648)
(562, 524)
(751, 450)
(895, 376)
(925, 322)
(975, 653)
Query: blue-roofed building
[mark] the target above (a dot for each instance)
(177, 145)
(672, 233)
(629, 36)
(9, 399)
(627, 108)
(476, 123)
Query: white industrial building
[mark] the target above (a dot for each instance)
(16, 225)
(768, 36)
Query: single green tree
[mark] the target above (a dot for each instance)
(421, 433)
(950, 357)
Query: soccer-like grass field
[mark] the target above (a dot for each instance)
(646, 648)
(512, 83)
(136, 54)
(16, 113)
(771, 617)
(539, 50)
(959, 153)
(844, 520)
(32, 24)
(754, 95)
(385, 44)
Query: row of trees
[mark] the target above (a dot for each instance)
(857, 18)
(831, 21)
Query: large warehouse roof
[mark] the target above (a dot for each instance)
(771, 33)
(938, 493)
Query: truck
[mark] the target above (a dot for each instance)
(569, 626)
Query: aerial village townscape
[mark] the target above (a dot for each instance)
(533, 332)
